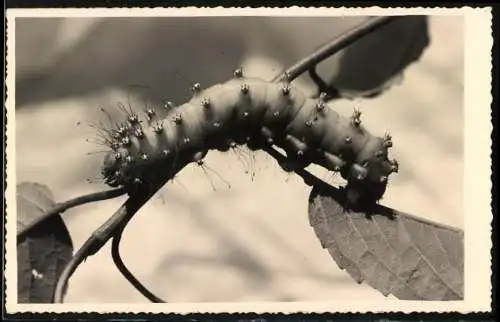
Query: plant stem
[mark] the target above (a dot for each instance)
(115, 253)
(63, 206)
(333, 47)
(114, 225)
(99, 238)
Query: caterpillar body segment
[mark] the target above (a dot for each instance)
(257, 113)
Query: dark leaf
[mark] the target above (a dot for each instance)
(375, 62)
(44, 250)
(393, 252)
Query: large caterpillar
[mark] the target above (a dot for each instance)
(256, 113)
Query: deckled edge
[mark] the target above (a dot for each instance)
(288, 308)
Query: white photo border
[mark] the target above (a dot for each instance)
(477, 172)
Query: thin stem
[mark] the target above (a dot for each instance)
(332, 47)
(63, 206)
(101, 236)
(330, 90)
(115, 253)
(110, 228)
(69, 269)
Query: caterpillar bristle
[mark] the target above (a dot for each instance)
(150, 113)
(196, 88)
(238, 73)
(286, 77)
(168, 105)
(205, 102)
(178, 119)
(122, 130)
(240, 154)
(356, 118)
(203, 166)
(158, 128)
(125, 141)
(285, 89)
(139, 133)
(133, 119)
(244, 88)
(129, 113)
(320, 106)
(108, 117)
(176, 180)
(394, 166)
(96, 141)
(387, 140)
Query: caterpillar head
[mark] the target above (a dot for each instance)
(367, 179)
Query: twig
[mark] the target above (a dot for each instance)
(63, 206)
(115, 253)
(329, 89)
(105, 232)
(332, 47)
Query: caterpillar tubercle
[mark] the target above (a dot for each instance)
(257, 113)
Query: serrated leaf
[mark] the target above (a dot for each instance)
(393, 252)
(376, 62)
(44, 250)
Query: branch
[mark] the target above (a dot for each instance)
(63, 206)
(332, 47)
(115, 253)
(105, 232)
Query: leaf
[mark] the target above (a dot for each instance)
(376, 62)
(44, 250)
(393, 252)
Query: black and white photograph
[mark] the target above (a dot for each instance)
(248, 160)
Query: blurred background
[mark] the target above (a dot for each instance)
(252, 242)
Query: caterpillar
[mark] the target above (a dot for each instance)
(254, 112)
